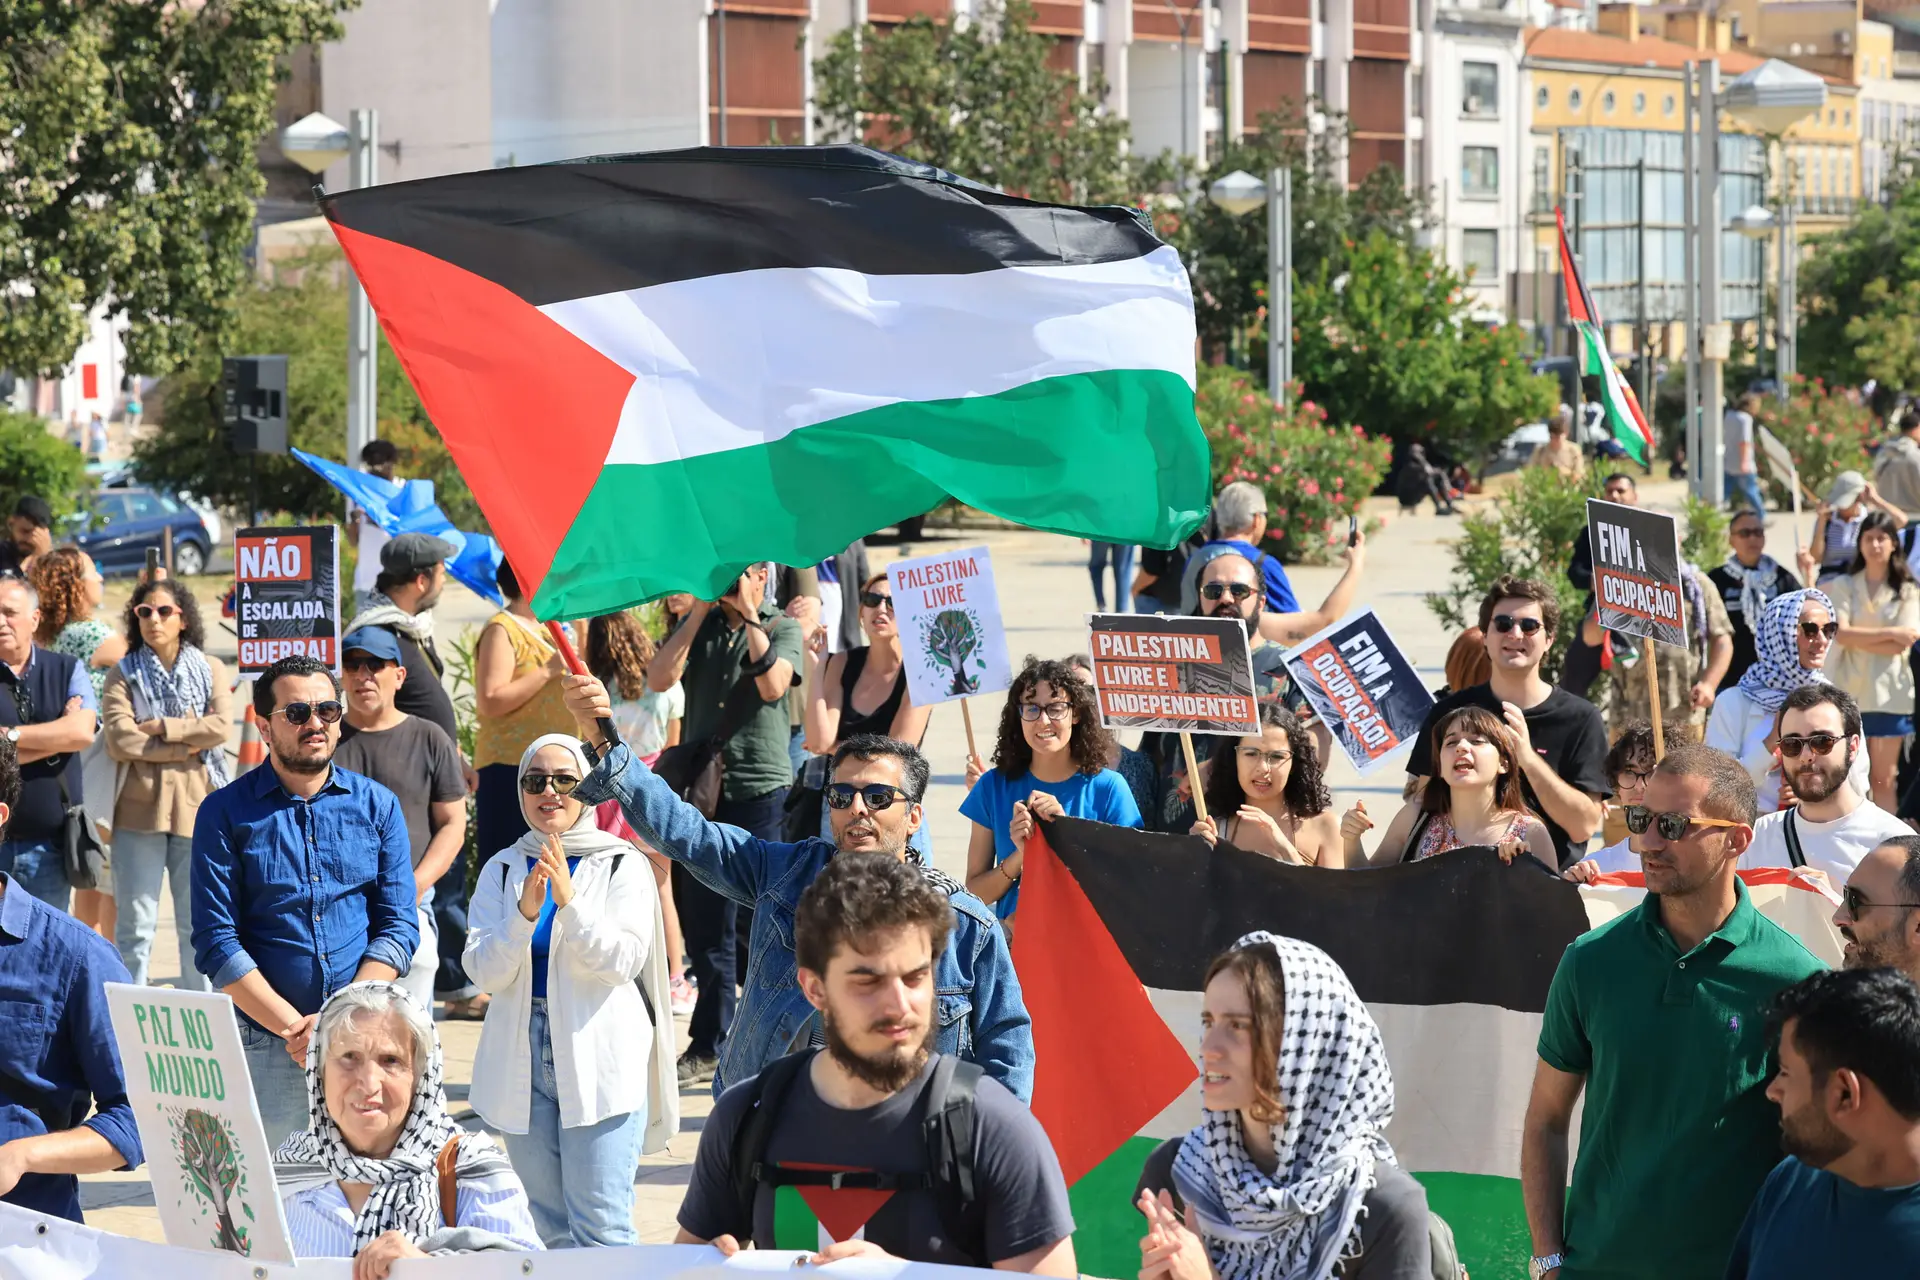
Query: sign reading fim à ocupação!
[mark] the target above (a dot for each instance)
(948, 614)
(286, 595)
(1636, 571)
(1362, 687)
(1174, 674)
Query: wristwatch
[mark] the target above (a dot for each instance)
(13, 735)
(1538, 1267)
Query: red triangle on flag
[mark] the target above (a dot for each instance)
(1106, 1062)
(844, 1211)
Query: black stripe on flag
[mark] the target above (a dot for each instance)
(1172, 905)
(572, 230)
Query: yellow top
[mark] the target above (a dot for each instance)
(502, 739)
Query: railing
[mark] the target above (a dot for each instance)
(1831, 206)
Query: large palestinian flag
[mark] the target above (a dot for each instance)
(656, 369)
(1622, 407)
(1453, 955)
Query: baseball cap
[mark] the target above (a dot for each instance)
(415, 553)
(1846, 489)
(377, 641)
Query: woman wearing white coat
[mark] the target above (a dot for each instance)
(573, 1067)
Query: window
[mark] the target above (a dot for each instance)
(1480, 255)
(1479, 89)
(1639, 104)
(1606, 102)
(143, 506)
(1479, 171)
(1541, 97)
(1846, 117)
(1574, 99)
(1667, 105)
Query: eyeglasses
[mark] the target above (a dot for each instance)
(1055, 711)
(1672, 826)
(1505, 622)
(535, 783)
(301, 712)
(1755, 532)
(874, 600)
(877, 795)
(161, 611)
(1856, 904)
(1812, 629)
(371, 665)
(1272, 759)
(1638, 777)
(1822, 744)
(1215, 590)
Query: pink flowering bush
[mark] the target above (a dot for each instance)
(1315, 473)
(1825, 430)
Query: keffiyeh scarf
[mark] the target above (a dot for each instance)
(183, 693)
(1758, 586)
(1301, 1221)
(1776, 671)
(406, 1187)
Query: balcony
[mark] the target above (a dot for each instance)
(1820, 206)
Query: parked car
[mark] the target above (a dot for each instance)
(117, 475)
(132, 519)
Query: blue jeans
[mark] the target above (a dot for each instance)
(37, 867)
(579, 1181)
(1099, 554)
(279, 1087)
(141, 860)
(1746, 487)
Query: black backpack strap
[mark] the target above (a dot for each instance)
(950, 1125)
(767, 1091)
(1795, 854)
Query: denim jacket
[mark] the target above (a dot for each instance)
(981, 1015)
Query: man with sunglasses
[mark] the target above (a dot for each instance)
(49, 713)
(1832, 825)
(1748, 581)
(302, 884)
(1879, 912)
(1660, 1018)
(874, 806)
(414, 759)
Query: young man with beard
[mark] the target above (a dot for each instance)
(1879, 912)
(302, 884)
(1833, 826)
(1846, 1200)
(873, 804)
(850, 1125)
(1659, 1016)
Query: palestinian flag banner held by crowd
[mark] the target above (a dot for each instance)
(1624, 419)
(1453, 955)
(656, 369)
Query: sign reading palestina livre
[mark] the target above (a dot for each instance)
(192, 1098)
(948, 615)
(1192, 675)
(1636, 571)
(1362, 687)
(286, 595)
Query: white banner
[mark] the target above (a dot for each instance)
(951, 635)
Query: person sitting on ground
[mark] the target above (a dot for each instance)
(1877, 605)
(1472, 799)
(381, 1171)
(1419, 480)
(1851, 498)
(1290, 1173)
(1274, 798)
(1630, 763)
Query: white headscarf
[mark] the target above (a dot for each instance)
(584, 839)
(1334, 1082)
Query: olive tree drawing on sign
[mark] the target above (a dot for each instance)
(209, 1155)
(953, 636)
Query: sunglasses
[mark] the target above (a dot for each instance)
(154, 611)
(301, 712)
(1812, 629)
(372, 666)
(535, 783)
(876, 795)
(1856, 904)
(1055, 711)
(1822, 744)
(874, 600)
(1672, 826)
(1505, 622)
(1754, 531)
(1216, 590)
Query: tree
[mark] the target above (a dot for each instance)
(210, 1158)
(129, 149)
(1861, 292)
(34, 460)
(979, 97)
(951, 639)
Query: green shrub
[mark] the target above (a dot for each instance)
(35, 461)
(1824, 430)
(1704, 543)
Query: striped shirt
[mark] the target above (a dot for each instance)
(321, 1223)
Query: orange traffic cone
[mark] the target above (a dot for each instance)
(253, 751)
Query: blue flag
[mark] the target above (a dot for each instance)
(408, 507)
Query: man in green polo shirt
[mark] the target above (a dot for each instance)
(1661, 1016)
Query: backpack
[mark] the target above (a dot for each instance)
(947, 1122)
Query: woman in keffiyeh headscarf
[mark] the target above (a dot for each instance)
(1289, 1176)
(363, 1180)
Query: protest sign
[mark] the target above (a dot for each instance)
(1187, 675)
(948, 615)
(286, 595)
(1636, 571)
(192, 1098)
(1362, 687)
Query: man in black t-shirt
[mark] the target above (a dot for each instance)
(866, 934)
(1562, 738)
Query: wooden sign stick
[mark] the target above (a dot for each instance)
(966, 718)
(1193, 777)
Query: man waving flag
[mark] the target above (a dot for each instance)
(1624, 418)
(656, 369)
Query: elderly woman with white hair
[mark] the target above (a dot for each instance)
(576, 1063)
(382, 1171)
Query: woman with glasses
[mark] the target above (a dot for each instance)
(1473, 798)
(1877, 605)
(165, 712)
(1050, 759)
(1273, 800)
(1630, 763)
(576, 1059)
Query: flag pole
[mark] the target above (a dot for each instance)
(579, 668)
(1193, 776)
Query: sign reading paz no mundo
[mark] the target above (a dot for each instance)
(1176, 674)
(1636, 571)
(286, 595)
(948, 615)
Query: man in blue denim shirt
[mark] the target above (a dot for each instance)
(874, 800)
(57, 1054)
(302, 884)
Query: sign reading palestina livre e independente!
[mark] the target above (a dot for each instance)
(948, 615)
(1636, 571)
(1362, 687)
(286, 595)
(1180, 674)
(654, 370)
(207, 1151)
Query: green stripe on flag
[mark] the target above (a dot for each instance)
(794, 1226)
(1613, 393)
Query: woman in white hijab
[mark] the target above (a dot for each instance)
(576, 1064)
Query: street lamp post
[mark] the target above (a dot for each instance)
(1237, 195)
(1756, 222)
